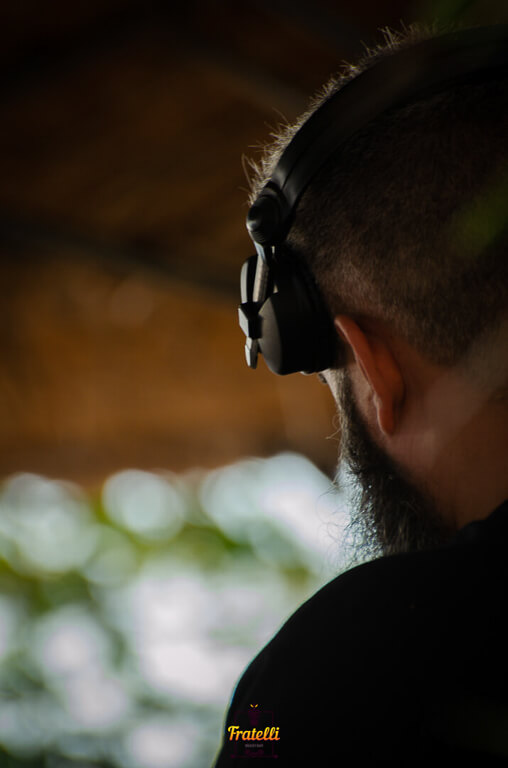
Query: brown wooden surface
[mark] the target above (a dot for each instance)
(122, 205)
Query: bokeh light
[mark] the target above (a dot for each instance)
(127, 616)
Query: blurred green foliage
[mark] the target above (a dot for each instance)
(125, 619)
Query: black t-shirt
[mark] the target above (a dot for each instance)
(400, 661)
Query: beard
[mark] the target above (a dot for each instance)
(390, 513)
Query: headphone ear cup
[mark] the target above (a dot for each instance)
(297, 333)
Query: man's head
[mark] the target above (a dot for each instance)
(405, 232)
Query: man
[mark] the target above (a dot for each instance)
(403, 660)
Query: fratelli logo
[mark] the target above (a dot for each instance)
(255, 733)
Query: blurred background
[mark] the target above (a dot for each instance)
(162, 508)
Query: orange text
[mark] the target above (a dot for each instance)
(269, 734)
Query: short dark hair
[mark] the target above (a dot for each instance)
(408, 221)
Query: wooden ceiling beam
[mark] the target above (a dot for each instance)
(40, 60)
(22, 235)
(335, 30)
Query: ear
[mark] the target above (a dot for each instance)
(378, 367)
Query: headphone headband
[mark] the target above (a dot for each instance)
(409, 74)
(429, 67)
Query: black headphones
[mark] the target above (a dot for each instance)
(282, 313)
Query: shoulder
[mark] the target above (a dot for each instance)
(407, 590)
(376, 648)
(377, 593)
(398, 597)
(392, 607)
(341, 631)
(340, 660)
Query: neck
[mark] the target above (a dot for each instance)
(457, 447)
